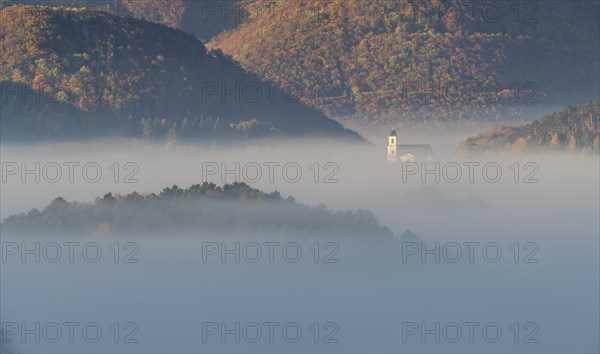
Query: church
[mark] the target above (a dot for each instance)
(407, 152)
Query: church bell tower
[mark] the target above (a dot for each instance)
(392, 146)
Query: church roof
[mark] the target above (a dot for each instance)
(393, 132)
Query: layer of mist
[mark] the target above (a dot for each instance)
(511, 244)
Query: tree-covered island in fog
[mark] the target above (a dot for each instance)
(231, 208)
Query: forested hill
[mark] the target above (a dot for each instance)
(574, 129)
(69, 72)
(422, 60)
(202, 207)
